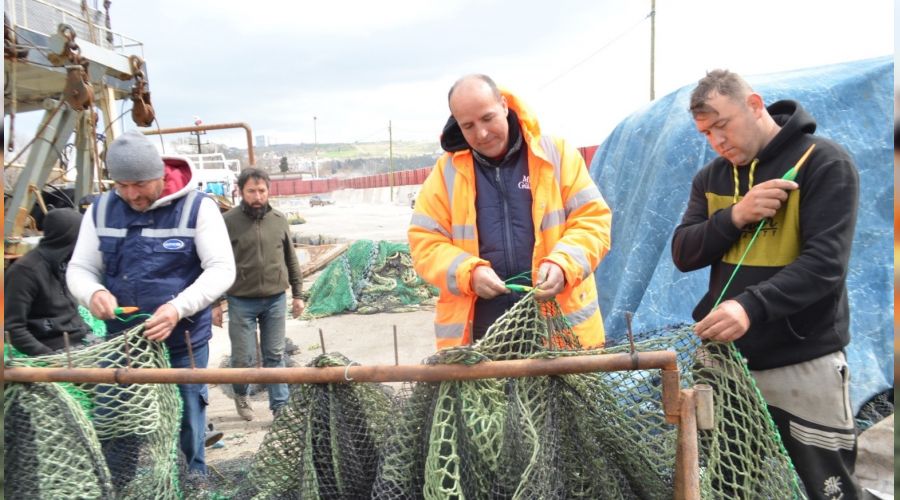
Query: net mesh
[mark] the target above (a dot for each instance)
(98, 440)
(325, 443)
(595, 435)
(369, 277)
(598, 435)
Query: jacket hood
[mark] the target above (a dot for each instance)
(453, 141)
(61, 227)
(793, 120)
(178, 180)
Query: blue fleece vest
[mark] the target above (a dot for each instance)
(505, 231)
(149, 258)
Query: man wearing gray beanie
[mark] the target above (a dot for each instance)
(156, 243)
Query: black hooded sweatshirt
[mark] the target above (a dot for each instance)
(39, 307)
(792, 283)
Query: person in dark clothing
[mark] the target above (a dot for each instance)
(39, 307)
(786, 306)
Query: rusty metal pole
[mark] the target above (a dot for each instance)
(336, 374)
(687, 461)
(213, 126)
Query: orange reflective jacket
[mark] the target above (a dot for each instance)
(571, 225)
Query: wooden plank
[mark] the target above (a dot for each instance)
(314, 257)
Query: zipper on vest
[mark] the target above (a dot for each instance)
(507, 223)
(259, 253)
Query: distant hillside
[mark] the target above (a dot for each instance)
(343, 159)
(349, 150)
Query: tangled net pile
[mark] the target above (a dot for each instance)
(369, 277)
(93, 440)
(597, 435)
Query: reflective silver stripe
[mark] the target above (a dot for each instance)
(552, 154)
(828, 440)
(101, 208)
(449, 180)
(577, 254)
(451, 273)
(463, 232)
(428, 224)
(552, 219)
(451, 331)
(582, 198)
(580, 316)
(176, 232)
(112, 233)
(187, 208)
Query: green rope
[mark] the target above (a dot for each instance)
(790, 175)
(126, 319)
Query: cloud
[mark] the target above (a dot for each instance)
(582, 65)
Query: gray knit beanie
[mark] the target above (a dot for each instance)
(132, 157)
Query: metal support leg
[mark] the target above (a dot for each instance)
(687, 462)
(44, 153)
(84, 163)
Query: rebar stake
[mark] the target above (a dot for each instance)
(634, 354)
(396, 352)
(258, 350)
(187, 340)
(127, 348)
(68, 349)
(322, 340)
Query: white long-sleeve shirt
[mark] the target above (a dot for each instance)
(85, 272)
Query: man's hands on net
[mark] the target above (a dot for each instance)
(161, 324)
(551, 281)
(486, 284)
(726, 323)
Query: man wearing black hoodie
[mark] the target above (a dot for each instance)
(39, 307)
(786, 305)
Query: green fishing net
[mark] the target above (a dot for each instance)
(369, 277)
(595, 435)
(93, 440)
(326, 443)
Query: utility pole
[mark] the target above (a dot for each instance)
(315, 148)
(652, 48)
(391, 160)
(197, 123)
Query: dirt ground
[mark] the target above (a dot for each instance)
(366, 339)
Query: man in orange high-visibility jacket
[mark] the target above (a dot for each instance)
(536, 212)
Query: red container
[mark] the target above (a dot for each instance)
(588, 153)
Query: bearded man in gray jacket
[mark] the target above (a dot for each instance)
(266, 265)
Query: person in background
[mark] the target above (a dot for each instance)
(786, 308)
(157, 243)
(38, 305)
(266, 266)
(506, 201)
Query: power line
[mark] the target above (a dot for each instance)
(594, 53)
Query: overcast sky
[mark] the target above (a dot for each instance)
(581, 65)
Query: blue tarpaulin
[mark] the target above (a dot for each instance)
(644, 170)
